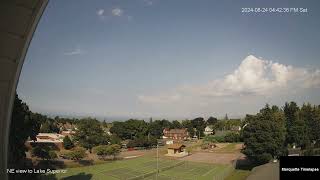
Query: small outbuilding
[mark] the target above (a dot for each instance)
(177, 150)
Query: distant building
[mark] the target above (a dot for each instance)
(66, 127)
(69, 133)
(50, 139)
(178, 134)
(176, 150)
(169, 142)
(208, 131)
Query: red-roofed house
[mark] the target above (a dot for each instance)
(179, 134)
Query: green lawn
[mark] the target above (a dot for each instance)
(229, 148)
(238, 175)
(126, 169)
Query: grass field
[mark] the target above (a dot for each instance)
(144, 168)
(238, 175)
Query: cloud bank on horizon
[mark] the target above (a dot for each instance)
(253, 77)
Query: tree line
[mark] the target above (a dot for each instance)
(269, 133)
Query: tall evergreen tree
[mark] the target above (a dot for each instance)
(264, 136)
(296, 127)
(23, 126)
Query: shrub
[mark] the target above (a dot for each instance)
(101, 151)
(67, 143)
(210, 139)
(114, 139)
(107, 150)
(52, 155)
(76, 153)
(205, 146)
(142, 142)
(263, 158)
(41, 152)
(64, 154)
(232, 137)
(219, 138)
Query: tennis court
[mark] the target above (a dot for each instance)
(168, 170)
(146, 168)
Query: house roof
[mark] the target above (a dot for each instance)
(175, 146)
(178, 131)
(48, 138)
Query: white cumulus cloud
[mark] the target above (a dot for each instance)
(117, 12)
(254, 76)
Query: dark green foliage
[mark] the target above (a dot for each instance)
(188, 124)
(90, 134)
(132, 128)
(104, 123)
(219, 138)
(107, 150)
(232, 137)
(226, 117)
(41, 152)
(24, 125)
(67, 143)
(176, 124)
(210, 138)
(156, 128)
(52, 155)
(101, 151)
(129, 129)
(146, 142)
(49, 126)
(224, 125)
(296, 126)
(114, 139)
(263, 158)
(303, 125)
(200, 125)
(229, 137)
(264, 136)
(311, 116)
(76, 153)
(212, 121)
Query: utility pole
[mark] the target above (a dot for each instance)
(157, 161)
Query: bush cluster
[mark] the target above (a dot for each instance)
(230, 137)
(76, 153)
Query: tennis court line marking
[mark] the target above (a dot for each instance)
(209, 171)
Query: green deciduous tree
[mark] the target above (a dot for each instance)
(311, 116)
(212, 120)
(41, 152)
(77, 153)
(176, 124)
(264, 136)
(188, 124)
(90, 134)
(24, 125)
(107, 150)
(200, 124)
(101, 151)
(67, 143)
(130, 128)
(295, 125)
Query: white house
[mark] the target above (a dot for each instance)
(208, 130)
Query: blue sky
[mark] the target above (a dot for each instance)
(170, 59)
